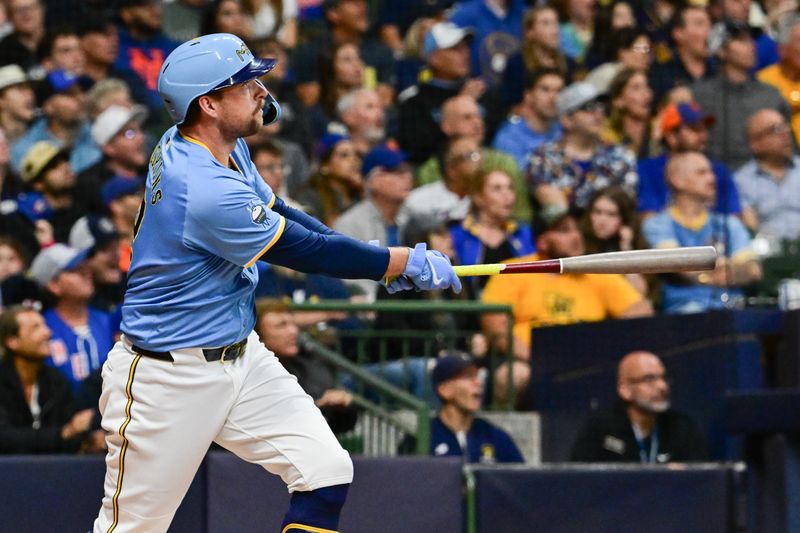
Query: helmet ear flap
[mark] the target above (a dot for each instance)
(272, 110)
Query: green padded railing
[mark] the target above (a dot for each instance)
(390, 412)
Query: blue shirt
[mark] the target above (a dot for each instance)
(496, 37)
(516, 138)
(83, 152)
(775, 202)
(486, 443)
(654, 192)
(725, 232)
(79, 352)
(200, 230)
(144, 59)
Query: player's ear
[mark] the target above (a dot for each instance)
(208, 104)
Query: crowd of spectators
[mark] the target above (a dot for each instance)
(492, 129)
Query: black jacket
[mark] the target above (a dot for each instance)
(17, 434)
(607, 436)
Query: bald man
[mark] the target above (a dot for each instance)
(641, 427)
(769, 183)
(687, 221)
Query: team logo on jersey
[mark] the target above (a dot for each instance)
(258, 214)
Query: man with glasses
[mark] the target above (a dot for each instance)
(568, 171)
(189, 369)
(641, 427)
(118, 133)
(769, 183)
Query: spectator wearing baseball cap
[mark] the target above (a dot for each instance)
(387, 183)
(64, 122)
(457, 431)
(17, 102)
(48, 174)
(549, 299)
(99, 235)
(81, 335)
(446, 51)
(337, 184)
(123, 197)
(118, 133)
(733, 94)
(684, 128)
(556, 176)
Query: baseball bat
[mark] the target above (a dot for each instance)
(654, 261)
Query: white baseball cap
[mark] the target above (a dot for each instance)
(54, 260)
(444, 35)
(574, 96)
(12, 75)
(113, 119)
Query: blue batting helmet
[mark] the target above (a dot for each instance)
(208, 63)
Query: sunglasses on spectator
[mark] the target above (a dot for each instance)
(592, 106)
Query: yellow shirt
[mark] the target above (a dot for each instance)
(788, 88)
(550, 299)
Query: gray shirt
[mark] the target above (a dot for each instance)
(364, 222)
(732, 104)
(776, 202)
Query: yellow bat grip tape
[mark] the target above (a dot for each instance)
(479, 270)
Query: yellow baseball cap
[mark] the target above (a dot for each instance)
(37, 158)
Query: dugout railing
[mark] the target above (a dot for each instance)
(388, 370)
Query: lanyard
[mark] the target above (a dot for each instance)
(640, 440)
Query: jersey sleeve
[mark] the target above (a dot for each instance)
(232, 221)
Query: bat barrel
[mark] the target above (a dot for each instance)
(652, 261)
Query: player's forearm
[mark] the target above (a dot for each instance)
(398, 258)
(304, 219)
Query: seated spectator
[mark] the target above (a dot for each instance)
(569, 171)
(348, 22)
(785, 75)
(540, 49)
(641, 427)
(447, 199)
(688, 222)
(337, 184)
(10, 183)
(578, 29)
(118, 133)
(497, 33)
(535, 121)
(342, 72)
(742, 12)
(122, 198)
(19, 47)
(268, 158)
(226, 16)
(609, 20)
(446, 53)
(396, 20)
(17, 102)
(462, 118)
(611, 224)
(64, 122)
(457, 431)
(769, 184)
(13, 259)
(690, 60)
(278, 331)
(104, 94)
(81, 335)
(733, 94)
(364, 116)
(296, 169)
(629, 119)
(36, 403)
(388, 181)
(684, 128)
(551, 299)
(99, 235)
(46, 170)
(489, 234)
(61, 50)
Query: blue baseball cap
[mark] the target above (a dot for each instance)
(684, 114)
(450, 366)
(120, 186)
(382, 157)
(327, 143)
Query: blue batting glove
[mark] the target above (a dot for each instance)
(426, 270)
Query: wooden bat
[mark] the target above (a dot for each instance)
(654, 261)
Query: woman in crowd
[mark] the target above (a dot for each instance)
(489, 234)
(577, 31)
(609, 19)
(343, 70)
(539, 48)
(337, 184)
(226, 16)
(629, 120)
(611, 224)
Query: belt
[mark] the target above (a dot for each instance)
(225, 353)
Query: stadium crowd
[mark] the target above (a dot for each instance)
(492, 129)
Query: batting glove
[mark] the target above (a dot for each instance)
(426, 270)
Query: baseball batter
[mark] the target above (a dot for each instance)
(189, 370)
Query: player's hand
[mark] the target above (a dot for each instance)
(426, 270)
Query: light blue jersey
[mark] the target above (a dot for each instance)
(198, 234)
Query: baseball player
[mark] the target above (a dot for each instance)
(189, 370)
